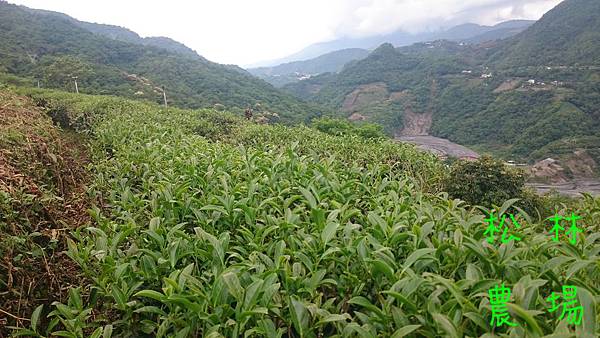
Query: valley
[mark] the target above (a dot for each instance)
(547, 179)
(416, 128)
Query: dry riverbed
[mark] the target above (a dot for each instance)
(572, 189)
(439, 146)
(446, 148)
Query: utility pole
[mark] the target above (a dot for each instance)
(38, 83)
(76, 87)
(165, 96)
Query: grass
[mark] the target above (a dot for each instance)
(208, 226)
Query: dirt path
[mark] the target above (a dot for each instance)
(43, 183)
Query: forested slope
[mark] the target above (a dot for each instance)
(52, 49)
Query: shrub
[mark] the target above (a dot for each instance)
(339, 127)
(485, 182)
(213, 125)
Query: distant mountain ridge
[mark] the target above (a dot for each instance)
(125, 35)
(122, 33)
(294, 71)
(51, 48)
(468, 32)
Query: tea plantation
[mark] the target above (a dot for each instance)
(206, 225)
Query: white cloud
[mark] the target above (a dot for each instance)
(243, 32)
(368, 17)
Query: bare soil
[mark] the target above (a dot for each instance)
(416, 124)
(571, 175)
(507, 85)
(364, 95)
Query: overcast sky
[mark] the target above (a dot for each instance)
(247, 31)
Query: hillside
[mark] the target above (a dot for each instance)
(295, 71)
(481, 95)
(52, 48)
(567, 35)
(202, 218)
(501, 31)
(125, 35)
(121, 33)
(389, 82)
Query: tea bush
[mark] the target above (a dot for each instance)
(335, 126)
(485, 181)
(278, 231)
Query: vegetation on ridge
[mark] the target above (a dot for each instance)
(52, 48)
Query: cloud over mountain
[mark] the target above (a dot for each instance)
(369, 17)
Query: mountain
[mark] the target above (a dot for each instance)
(121, 33)
(52, 48)
(461, 33)
(295, 71)
(570, 33)
(516, 25)
(321, 48)
(501, 31)
(125, 35)
(474, 33)
(516, 98)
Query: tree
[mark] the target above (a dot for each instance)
(484, 182)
